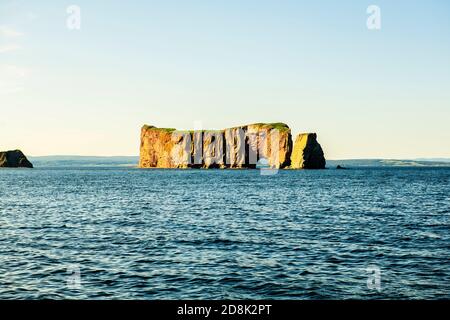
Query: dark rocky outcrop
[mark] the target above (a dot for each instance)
(14, 159)
(238, 147)
(307, 153)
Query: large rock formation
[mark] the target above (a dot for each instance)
(246, 146)
(156, 147)
(14, 159)
(307, 153)
(238, 147)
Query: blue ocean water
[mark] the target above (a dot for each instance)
(125, 233)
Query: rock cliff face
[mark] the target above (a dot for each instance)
(307, 153)
(14, 159)
(238, 147)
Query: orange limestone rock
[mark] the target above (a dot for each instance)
(156, 148)
(238, 147)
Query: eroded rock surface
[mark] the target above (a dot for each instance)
(238, 147)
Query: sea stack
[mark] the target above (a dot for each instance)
(307, 153)
(14, 159)
(238, 147)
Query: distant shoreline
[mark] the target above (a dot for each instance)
(130, 161)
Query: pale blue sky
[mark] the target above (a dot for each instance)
(313, 65)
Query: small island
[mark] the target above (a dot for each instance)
(242, 147)
(14, 159)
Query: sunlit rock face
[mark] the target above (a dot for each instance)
(307, 153)
(271, 142)
(156, 148)
(14, 159)
(213, 149)
(238, 147)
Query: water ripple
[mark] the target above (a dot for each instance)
(195, 234)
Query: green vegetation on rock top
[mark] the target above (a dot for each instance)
(276, 125)
(147, 127)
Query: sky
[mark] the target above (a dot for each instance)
(315, 65)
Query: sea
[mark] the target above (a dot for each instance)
(128, 233)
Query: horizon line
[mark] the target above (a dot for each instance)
(334, 159)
